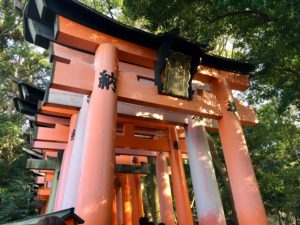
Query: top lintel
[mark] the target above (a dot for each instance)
(44, 14)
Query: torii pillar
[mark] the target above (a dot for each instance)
(181, 195)
(164, 190)
(97, 177)
(136, 198)
(119, 200)
(248, 203)
(73, 179)
(65, 165)
(114, 206)
(126, 200)
(208, 201)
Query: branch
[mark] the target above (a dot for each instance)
(6, 31)
(95, 5)
(243, 13)
(290, 70)
(193, 202)
(109, 9)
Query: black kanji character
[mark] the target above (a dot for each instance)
(231, 107)
(105, 80)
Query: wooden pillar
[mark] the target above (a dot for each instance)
(182, 202)
(114, 206)
(134, 202)
(127, 207)
(97, 170)
(136, 198)
(119, 201)
(164, 190)
(65, 165)
(72, 181)
(207, 196)
(248, 203)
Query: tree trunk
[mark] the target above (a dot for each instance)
(10, 106)
(279, 217)
(154, 201)
(145, 185)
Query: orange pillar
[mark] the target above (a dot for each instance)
(136, 198)
(65, 165)
(114, 206)
(95, 194)
(127, 207)
(139, 197)
(248, 203)
(182, 202)
(119, 202)
(164, 190)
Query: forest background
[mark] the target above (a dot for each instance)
(265, 33)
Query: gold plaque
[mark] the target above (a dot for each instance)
(177, 75)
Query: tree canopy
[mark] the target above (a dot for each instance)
(20, 60)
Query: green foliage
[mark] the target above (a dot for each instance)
(274, 145)
(110, 8)
(21, 60)
(10, 19)
(11, 138)
(15, 198)
(17, 57)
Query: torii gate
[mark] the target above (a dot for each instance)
(105, 97)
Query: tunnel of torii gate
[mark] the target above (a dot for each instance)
(120, 97)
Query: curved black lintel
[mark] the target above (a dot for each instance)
(43, 14)
(226, 64)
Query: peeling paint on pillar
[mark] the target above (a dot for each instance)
(207, 195)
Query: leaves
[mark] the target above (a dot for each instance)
(11, 137)
(17, 59)
(274, 145)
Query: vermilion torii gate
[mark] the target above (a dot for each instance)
(117, 96)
